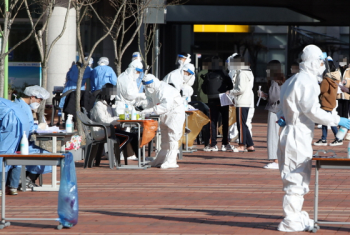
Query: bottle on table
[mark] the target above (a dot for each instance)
(127, 112)
(69, 124)
(24, 144)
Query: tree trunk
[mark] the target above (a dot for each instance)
(41, 109)
(2, 76)
(77, 101)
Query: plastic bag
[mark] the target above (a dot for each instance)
(74, 143)
(68, 205)
(196, 121)
(149, 131)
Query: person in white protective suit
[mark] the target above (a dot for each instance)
(175, 77)
(163, 100)
(188, 81)
(137, 56)
(127, 90)
(301, 109)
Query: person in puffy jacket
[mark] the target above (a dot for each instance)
(217, 82)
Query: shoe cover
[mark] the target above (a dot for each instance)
(295, 219)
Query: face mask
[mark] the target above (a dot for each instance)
(321, 70)
(180, 62)
(136, 76)
(34, 105)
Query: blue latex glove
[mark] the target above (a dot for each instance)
(281, 122)
(344, 122)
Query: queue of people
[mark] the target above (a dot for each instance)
(294, 105)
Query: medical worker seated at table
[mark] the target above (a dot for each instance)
(301, 109)
(16, 118)
(165, 100)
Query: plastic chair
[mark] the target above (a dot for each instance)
(94, 148)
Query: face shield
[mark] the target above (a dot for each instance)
(183, 59)
(138, 72)
(149, 85)
(136, 56)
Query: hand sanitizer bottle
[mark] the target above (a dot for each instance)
(69, 124)
(24, 144)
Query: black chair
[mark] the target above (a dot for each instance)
(94, 148)
(55, 107)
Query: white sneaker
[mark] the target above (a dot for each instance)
(226, 147)
(272, 165)
(206, 148)
(214, 149)
(347, 136)
(133, 157)
(166, 166)
(319, 126)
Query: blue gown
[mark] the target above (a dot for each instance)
(38, 169)
(72, 79)
(13, 122)
(101, 75)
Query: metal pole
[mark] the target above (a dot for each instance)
(156, 52)
(6, 70)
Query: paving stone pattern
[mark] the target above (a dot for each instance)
(210, 193)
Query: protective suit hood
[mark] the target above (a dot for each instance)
(312, 58)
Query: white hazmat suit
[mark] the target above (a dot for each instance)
(175, 77)
(301, 109)
(165, 101)
(188, 81)
(127, 90)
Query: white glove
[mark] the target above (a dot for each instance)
(145, 111)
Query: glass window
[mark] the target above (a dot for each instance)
(278, 39)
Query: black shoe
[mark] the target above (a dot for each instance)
(336, 143)
(321, 142)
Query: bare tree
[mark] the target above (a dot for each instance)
(9, 17)
(129, 19)
(82, 8)
(44, 47)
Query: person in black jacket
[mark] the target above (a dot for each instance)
(215, 83)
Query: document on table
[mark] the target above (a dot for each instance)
(52, 129)
(225, 99)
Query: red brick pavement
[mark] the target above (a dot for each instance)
(210, 193)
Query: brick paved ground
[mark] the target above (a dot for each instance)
(211, 193)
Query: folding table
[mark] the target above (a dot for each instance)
(47, 159)
(46, 137)
(327, 163)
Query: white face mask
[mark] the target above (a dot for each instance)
(34, 105)
(321, 70)
(180, 62)
(136, 76)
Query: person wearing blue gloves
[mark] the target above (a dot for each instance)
(299, 111)
(102, 75)
(72, 79)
